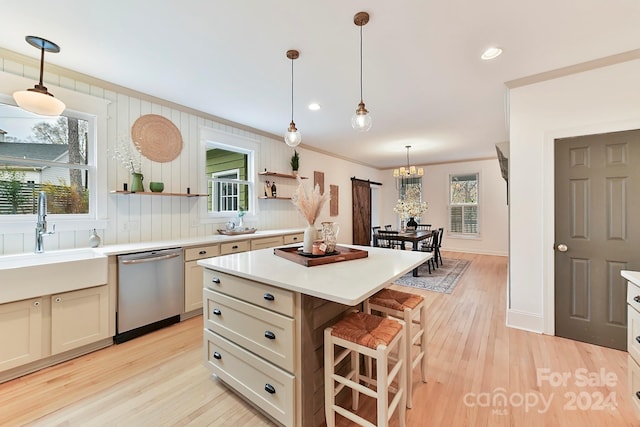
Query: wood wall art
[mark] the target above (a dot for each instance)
(318, 178)
(157, 138)
(333, 204)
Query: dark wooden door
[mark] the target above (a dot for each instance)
(597, 234)
(361, 212)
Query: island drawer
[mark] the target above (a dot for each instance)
(265, 296)
(633, 296)
(268, 387)
(633, 333)
(265, 333)
(266, 242)
(234, 247)
(633, 380)
(200, 252)
(293, 238)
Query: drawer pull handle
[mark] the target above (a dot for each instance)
(269, 297)
(202, 252)
(637, 298)
(638, 394)
(217, 355)
(271, 389)
(216, 280)
(295, 238)
(234, 247)
(217, 311)
(638, 339)
(270, 335)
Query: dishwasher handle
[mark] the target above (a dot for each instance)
(150, 259)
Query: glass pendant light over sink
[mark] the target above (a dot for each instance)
(38, 99)
(292, 137)
(361, 120)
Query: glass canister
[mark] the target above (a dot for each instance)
(330, 232)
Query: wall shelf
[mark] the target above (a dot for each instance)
(151, 193)
(281, 175)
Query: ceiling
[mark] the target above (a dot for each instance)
(423, 80)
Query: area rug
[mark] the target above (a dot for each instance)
(442, 279)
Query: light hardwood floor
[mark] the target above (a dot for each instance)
(474, 359)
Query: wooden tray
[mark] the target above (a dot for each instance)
(344, 254)
(236, 232)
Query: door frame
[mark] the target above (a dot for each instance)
(548, 211)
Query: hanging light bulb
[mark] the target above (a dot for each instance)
(361, 120)
(38, 99)
(292, 136)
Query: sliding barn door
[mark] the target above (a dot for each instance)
(361, 214)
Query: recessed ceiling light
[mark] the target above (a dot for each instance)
(314, 106)
(491, 53)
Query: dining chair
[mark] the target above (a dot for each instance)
(388, 227)
(374, 235)
(389, 239)
(426, 227)
(439, 245)
(429, 245)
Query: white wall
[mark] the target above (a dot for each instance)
(591, 102)
(493, 212)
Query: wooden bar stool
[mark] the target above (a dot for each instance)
(374, 337)
(412, 309)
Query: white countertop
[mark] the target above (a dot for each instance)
(632, 276)
(346, 282)
(193, 241)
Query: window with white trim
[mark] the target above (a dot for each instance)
(463, 204)
(230, 172)
(49, 154)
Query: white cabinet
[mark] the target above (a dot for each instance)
(633, 342)
(193, 274)
(79, 318)
(266, 242)
(250, 341)
(21, 332)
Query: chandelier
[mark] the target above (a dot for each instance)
(408, 173)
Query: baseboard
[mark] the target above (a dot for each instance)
(525, 321)
(476, 252)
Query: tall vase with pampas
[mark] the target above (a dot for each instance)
(309, 205)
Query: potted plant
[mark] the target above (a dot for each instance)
(295, 163)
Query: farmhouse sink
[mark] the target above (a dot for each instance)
(30, 275)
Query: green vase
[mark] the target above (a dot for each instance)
(136, 183)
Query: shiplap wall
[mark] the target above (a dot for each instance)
(139, 218)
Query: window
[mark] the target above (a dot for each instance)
(230, 173)
(44, 154)
(463, 204)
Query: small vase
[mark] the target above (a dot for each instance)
(310, 235)
(94, 239)
(136, 182)
(412, 225)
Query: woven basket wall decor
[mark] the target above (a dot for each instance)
(158, 138)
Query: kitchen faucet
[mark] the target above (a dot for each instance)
(41, 226)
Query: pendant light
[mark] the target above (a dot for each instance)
(408, 175)
(38, 99)
(361, 120)
(292, 137)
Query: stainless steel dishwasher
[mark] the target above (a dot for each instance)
(150, 292)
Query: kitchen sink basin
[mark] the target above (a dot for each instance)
(29, 275)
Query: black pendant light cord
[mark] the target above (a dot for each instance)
(292, 90)
(361, 98)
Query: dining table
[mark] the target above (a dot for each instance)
(415, 237)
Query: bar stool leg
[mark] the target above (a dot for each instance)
(329, 398)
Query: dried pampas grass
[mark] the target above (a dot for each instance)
(309, 205)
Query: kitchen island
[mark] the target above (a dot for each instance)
(265, 316)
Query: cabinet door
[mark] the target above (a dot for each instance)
(21, 332)
(192, 286)
(79, 318)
